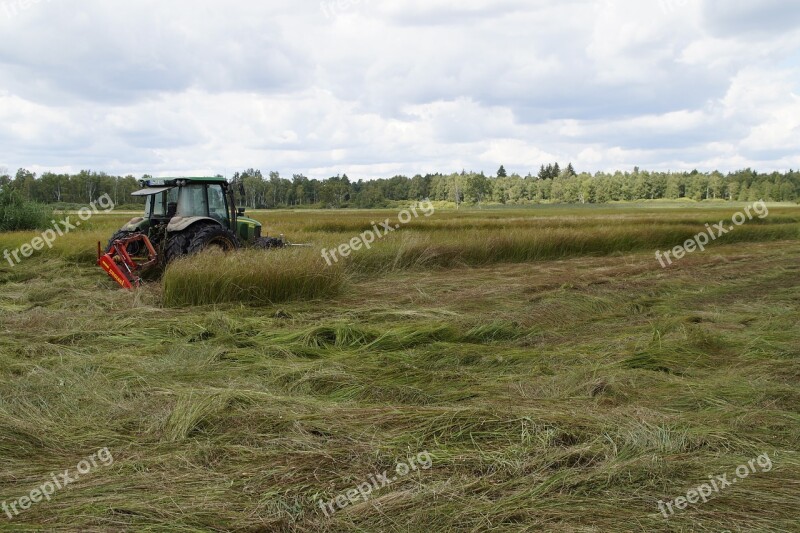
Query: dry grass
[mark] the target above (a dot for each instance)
(568, 394)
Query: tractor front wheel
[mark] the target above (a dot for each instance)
(176, 246)
(134, 248)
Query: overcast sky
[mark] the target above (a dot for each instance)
(374, 88)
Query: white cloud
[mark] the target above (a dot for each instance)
(373, 88)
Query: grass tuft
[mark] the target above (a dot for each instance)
(254, 277)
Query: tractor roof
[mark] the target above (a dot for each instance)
(174, 182)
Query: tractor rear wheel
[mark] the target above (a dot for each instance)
(199, 238)
(213, 236)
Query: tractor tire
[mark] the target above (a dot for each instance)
(210, 236)
(134, 249)
(199, 238)
(176, 246)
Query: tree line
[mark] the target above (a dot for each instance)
(551, 184)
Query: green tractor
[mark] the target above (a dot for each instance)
(183, 216)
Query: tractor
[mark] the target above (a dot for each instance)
(182, 216)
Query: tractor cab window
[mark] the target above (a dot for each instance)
(164, 204)
(192, 201)
(217, 207)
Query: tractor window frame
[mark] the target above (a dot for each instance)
(222, 216)
(189, 195)
(157, 205)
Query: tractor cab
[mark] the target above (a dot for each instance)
(180, 203)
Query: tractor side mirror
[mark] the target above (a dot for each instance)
(240, 211)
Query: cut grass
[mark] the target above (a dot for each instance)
(569, 394)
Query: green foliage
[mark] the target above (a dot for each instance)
(19, 214)
(77, 189)
(552, 184)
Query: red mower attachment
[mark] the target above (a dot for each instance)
(121, 266)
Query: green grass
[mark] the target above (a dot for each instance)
(257, 277)
(559, 377)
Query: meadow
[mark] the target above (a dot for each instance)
(558, 376)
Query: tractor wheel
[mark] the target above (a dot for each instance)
(176, 246)
(134, 248)
(199, 238)
(212, 236)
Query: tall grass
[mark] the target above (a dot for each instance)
(449, 239)
(253, 276)
(481, 237)
(449, 248)
(17, 214)
(447, 242)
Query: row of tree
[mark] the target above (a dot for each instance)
(551, 184)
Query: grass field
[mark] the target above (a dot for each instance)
(557, 376)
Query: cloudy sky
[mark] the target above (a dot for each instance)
(373, 88)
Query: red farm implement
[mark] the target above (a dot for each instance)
(121, 266)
